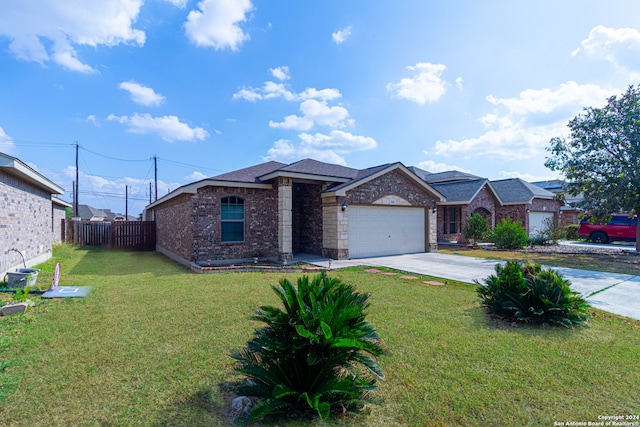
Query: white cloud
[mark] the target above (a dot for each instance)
(435, 167)
(215, 23)
(280, 73)
(425, 84)
(142, 95)
(6, 142)
(521, 127)
(272, 90)
(178, 3)
(619, 47)
(43, 31)
(314, 113)
(91, 118)
(460, 83)
(341, 36)
(527, 176)
(169, 128)
(328, 148)
(196, 176)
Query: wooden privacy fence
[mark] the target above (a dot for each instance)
(134, 235)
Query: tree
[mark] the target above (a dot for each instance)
(601, 157)
(477, 228)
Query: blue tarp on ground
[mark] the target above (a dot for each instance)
(68, 292)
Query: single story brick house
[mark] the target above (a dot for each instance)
(273, 210)
(509, 198)
(526, 202)
(27, 215)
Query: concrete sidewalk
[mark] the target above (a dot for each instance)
(615, 293)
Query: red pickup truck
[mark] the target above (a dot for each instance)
(619, 227)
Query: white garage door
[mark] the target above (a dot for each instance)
(385, 230)
(537, 221)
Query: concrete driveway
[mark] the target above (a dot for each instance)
(615, 293)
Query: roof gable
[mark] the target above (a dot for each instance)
(15, 166)
(516, 191)
(366, 175)
(465, 191)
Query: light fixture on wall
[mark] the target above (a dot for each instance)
(434, 209)
(344, 206)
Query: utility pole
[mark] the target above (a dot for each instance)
(155, 168)
(126, 203)
(149, 192)
(75, 204)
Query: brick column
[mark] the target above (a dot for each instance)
(285, 219)
(335, 229)
(432, 230)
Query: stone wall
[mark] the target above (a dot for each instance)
(25, 223)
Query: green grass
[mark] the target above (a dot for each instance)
(150, 346)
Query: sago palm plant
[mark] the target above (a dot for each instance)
(529, 293)
(316, 354)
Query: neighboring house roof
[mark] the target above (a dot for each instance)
(560, 187)
(463, 192)
(442, 177)
(14, 166)
(516, 191)
(91, 213)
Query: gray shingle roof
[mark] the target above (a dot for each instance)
(462, 191)
(442, 177)
(515, 190)
(314, 167)
(251, 173)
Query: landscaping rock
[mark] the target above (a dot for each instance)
(10, 309)
(241, 405)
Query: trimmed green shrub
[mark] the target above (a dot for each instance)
(509, 235)
(529, 293)
(316, 355)
(571, 231)
(476, 229)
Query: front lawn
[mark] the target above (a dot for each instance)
(150, 346)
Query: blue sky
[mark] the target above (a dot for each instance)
(211, 86)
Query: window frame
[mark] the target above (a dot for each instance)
(235, 202)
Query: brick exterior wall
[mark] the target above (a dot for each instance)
(519, 212)
(484, 203)
(394, 183)
(307, 218)
(188, 226)
(174, 227)
(25, 223)
(58, 216)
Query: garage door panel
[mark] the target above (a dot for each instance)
(377, 231)
(537, 221)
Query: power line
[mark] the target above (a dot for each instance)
(113, 158)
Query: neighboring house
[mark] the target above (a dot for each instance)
(509, 198)
(26, 215)
(273, 210)
(569, 212)
(58, 215)
(89, 213)
(531, 205)
(463, 199)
